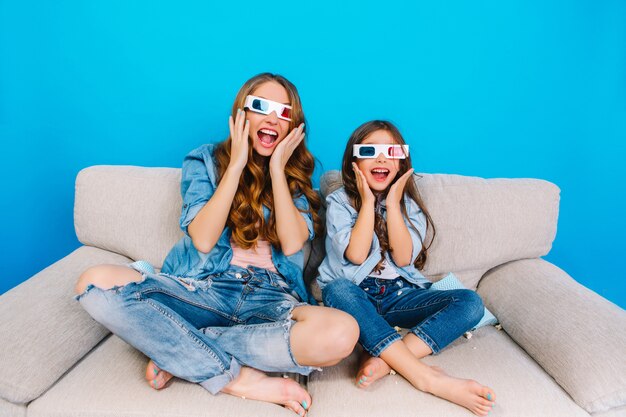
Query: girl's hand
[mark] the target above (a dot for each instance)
(367, 196)
(239, 131)
(396, 191)
(285, 149)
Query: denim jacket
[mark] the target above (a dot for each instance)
(340, 220)
(199, 181)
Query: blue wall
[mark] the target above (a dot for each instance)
(493, 89)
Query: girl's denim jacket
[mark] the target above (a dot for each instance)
(340, 219)
(199, 181)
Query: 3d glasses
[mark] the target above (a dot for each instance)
(388, 151)
(265, 106)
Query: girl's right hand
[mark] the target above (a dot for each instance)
(367, 196)
(239, 130)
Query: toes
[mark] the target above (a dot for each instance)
(482, 410)
(295, 407)
(488, 394)
(151, 371)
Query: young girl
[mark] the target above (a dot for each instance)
(376, 224)
(230, 297)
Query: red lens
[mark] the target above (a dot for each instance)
(286, 113)
(396, 151)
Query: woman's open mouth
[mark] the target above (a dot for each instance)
(267, 137)
(380, 174)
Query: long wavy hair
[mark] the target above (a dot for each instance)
(246, 219)
(410, 190)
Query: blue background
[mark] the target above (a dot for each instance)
(484, 88)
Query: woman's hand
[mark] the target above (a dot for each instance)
(367, 196)
(239, 131)
(285, 149)
(394, 196)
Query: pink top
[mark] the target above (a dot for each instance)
(261, 256)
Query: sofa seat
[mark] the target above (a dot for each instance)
(490, 357)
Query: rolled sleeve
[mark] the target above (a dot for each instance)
(339, 223)
(302, 204)
(418, 228)
(197, 184)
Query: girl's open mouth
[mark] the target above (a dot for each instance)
(267, 137)
(380, 174)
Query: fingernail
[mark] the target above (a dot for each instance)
(305, 405)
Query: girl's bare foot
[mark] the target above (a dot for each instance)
(157, 378)
(477, 398)
(255, 385)
(371, 369)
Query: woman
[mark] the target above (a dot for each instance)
(230, 299)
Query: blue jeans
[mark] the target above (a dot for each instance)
(436, 317)
(203, 330)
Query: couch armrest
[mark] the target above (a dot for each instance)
(44, 331)
(578, 337)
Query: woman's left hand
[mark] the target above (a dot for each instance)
(285, 149)
(394, 196)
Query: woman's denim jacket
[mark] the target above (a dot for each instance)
(199, 181)
(340, 219)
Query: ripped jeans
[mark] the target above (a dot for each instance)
(204, 330)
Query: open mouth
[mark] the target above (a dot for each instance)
(267, 137)
(380, 174)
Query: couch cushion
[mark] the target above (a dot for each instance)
(578, 337)
(490, 357)
(133, 211)
(8, 409)
(481, 223)
(110, 382)
(44, 331)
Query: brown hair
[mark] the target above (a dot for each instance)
(349, 182)
(254, 191)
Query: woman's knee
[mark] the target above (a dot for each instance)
(105, 277)
(342, 334)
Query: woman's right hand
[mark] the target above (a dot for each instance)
(239, 131)
(367, 197)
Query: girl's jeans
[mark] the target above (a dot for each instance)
(436, 317)
(203, 330)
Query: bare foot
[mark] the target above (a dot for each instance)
(477, 398)
(157, 378)
(372, 369)
(255, 385)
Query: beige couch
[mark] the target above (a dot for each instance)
(561, 352)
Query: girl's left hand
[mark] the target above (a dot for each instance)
(394, 196)
(285, 149)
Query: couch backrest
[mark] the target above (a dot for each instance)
(481, 223)
(133, 211)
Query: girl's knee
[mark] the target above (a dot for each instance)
(344, 333)
(473, 305)
(339, 289)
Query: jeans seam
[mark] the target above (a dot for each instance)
(376, 351)
(140, 296)
(422, 306)
(425, 322)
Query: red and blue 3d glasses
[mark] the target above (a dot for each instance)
(388, 151)
(265, 106)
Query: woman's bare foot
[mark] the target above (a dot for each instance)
(477, 398)
(157, 378)
(255, 385)
(371, 369)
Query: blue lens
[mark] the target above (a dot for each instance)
(259, 105)
(366, 151)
